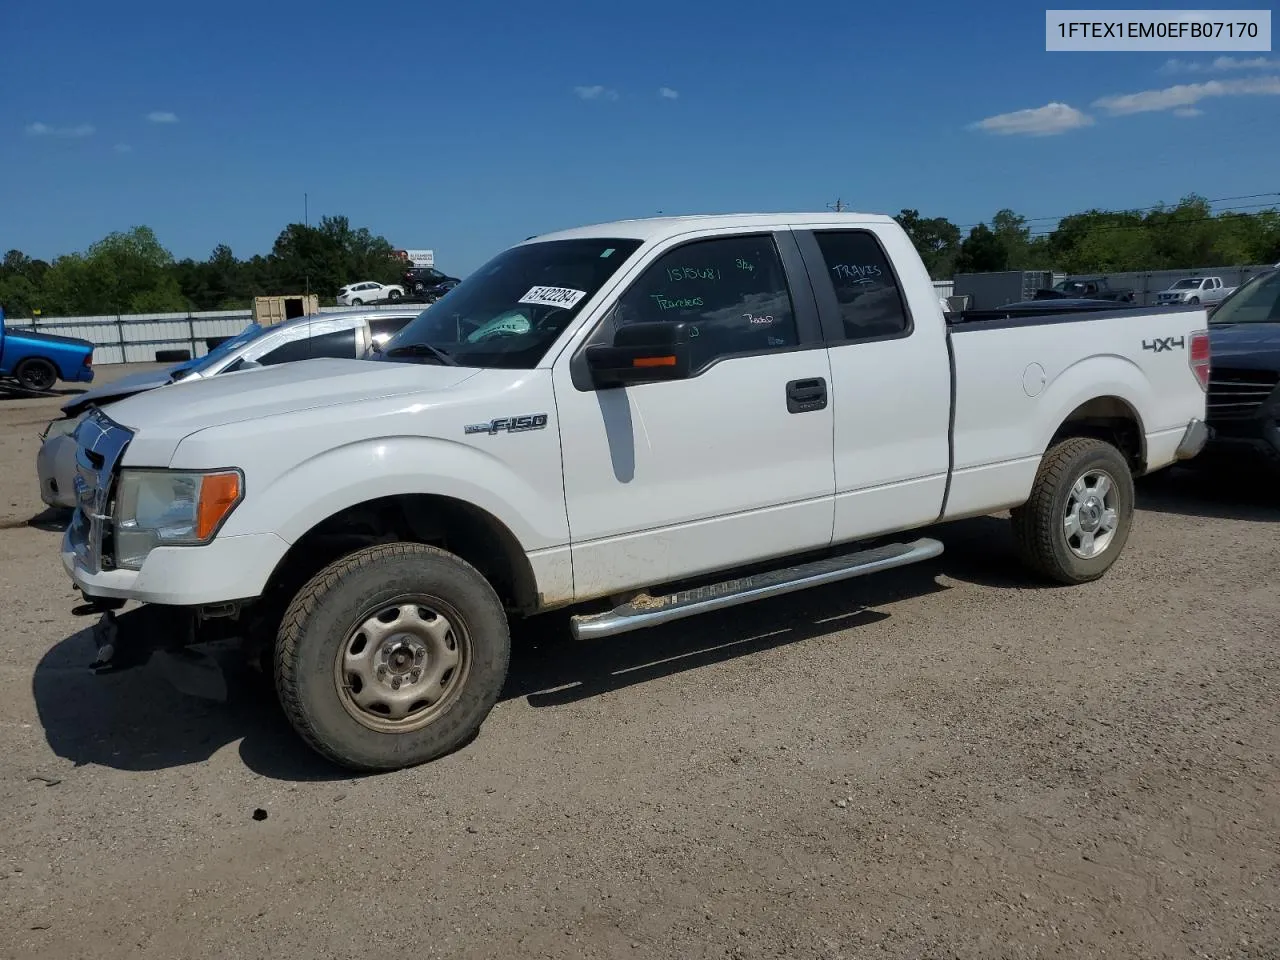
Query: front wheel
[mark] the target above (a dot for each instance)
(392, 656)
(1077, 519)
(393, 295)
(1194, 301)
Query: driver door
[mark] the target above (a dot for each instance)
(733, 464)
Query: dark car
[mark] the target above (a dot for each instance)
(428, 283)
(1244, 376)
(1085, 290)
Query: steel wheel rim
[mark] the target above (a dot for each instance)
(403, 664)
(1092, 517)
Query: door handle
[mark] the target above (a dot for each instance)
(806, 395)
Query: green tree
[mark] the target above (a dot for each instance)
(936, 239)
(982, 252)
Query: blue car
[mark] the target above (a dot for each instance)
(39, 360)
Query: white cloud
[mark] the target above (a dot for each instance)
(1219, 65)
(1052, 118)
(122, 148)
(162, 116)
(596, 92)
(668, 94)
(44, 130)
(1188, 112)
(1186, 95)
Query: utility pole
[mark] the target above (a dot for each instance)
(838, 205)
(306, 220)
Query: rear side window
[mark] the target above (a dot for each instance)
(866, 289)
(732, 292)
(383, 327)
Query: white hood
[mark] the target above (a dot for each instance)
(162, 418)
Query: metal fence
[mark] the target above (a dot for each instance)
(136, 338)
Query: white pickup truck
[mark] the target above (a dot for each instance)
(633, 422)
(1195, 291)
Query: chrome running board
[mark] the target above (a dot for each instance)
(647, 611)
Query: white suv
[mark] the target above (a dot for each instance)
(366, 291)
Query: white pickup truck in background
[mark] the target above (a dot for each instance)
(635, 422)
(1194, 290)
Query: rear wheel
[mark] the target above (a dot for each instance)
(357, 302)
(36, 374)
(1077, 520)
(392, 656)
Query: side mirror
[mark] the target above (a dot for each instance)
(641, 353)
(249, 365)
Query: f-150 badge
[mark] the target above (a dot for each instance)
(528, 421)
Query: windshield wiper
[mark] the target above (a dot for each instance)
(422, 350)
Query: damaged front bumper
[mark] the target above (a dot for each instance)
(190, 651)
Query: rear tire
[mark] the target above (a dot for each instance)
(357, 302)
(392, 656)
(1077, 519)
(36, 374)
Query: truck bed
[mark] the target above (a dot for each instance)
(1019, 374)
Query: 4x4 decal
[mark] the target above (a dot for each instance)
(1161, 344)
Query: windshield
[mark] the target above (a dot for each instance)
(510, 311)
(201, 364)
(1258, 301)
(1185, 285)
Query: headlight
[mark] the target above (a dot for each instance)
(159, 508)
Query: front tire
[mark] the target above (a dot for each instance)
(1077, 519)
(392, 656)
(393, 295)
(36, 374)
(1195, 301)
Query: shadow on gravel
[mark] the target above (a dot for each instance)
(52, 520)
(550, 668)
(1240, 491)
(135, 720)
(11, 391)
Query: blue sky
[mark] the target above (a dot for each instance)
(468, 126)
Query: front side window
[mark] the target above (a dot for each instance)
(511, 310)
(866, 288)
(732, 292)
(339, 343)
(297, 349)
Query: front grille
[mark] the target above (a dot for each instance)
(100, 443)
(1237, 394)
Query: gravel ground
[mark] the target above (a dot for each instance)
(943, 761)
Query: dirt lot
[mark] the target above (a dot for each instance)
(945, 761)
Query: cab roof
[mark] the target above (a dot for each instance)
(659, 228)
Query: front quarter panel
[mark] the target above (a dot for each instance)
(301, 468)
